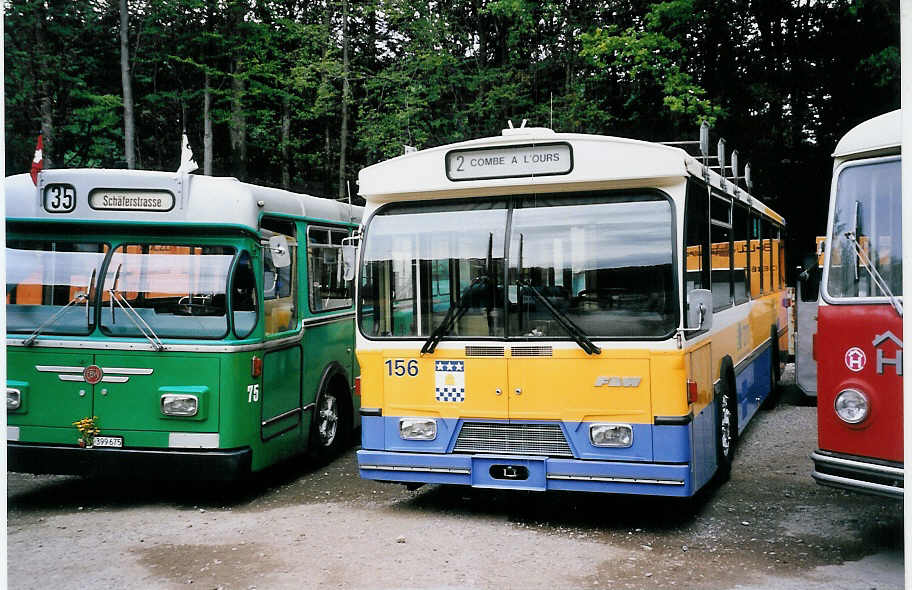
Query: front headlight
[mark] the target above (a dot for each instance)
(174, 404)
(611, 435)
(852, 406)
(417, 428)
(13, 398)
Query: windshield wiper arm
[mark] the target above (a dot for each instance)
(580, 337)
(133, 315)
(875, 275)
(77, 298)
(453, 314)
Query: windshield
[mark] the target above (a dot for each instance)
(602, 260)
(179, 291)
(421, 259)
(868, 205)
(43, 277)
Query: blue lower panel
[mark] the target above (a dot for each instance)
(528, 473)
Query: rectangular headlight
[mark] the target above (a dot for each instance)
(417, 428)
(13, 398)
(611, 435)
(179, 404)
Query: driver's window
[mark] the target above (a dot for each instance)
(279, 282)
(244, 296)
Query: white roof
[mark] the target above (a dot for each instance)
(598, 162)
(878, 136)
(205, 200)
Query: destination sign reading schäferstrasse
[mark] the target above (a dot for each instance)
(132, 200)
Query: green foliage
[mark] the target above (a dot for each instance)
(777, 78)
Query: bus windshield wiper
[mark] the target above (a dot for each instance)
(453, 314)
(875, 275)
(576, 333)
(133, 315)
(79, 297)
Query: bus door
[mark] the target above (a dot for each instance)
(806, 325)
(283, 358)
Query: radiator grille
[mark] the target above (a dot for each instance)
(484, 351)
(520, 439)
(531, 351)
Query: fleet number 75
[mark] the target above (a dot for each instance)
(253, 393)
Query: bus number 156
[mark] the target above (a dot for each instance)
(400, 368)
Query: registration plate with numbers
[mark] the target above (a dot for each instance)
(108, 441)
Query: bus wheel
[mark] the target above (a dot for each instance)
(328, 430)
(772, 397)
(726, 427)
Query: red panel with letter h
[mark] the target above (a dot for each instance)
(860, 347)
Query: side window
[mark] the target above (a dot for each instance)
(328, 288)
(741, 260)
(769, 257)
(696, 228)
(279, 283)
(757, 258)
(244, 296)
(720, 234)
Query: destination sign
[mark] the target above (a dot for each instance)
(131, 200)
(509, 162)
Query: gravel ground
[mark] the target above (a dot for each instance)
(305, 526)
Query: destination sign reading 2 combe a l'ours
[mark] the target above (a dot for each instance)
(510, 162)
(131, 200)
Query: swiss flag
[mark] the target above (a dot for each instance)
(38, 160)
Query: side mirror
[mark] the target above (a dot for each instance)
(281, 257)
(349, 254)
(699, 309)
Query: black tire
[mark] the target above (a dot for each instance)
(329, 429)
(726, 423)
(773, 397)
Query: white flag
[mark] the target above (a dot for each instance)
(188, 164)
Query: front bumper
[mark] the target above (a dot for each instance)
(527, 473)
(203, 465)
(859, 474)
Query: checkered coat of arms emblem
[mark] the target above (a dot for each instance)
(449, 381)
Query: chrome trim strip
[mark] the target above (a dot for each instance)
(72, 378)
(145, 347)
(605, 479)
(58, 369)
(752, 356)
(453, 470)
(861, 466)
(127, 371)
(114, 379)
(318, 321)
(12, 433)
(857, 484)
(281, 417)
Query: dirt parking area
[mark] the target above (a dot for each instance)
(302, 526)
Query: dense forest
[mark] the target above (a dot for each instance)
(304, 93)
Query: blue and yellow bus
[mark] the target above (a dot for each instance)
(174, 324)
(548, 311)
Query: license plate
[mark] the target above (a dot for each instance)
(108, 441)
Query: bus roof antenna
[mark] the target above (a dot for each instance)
(523, 124)
(510, 123)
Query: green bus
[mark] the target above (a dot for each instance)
(184, 325)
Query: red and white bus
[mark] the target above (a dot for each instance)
(858, 346)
